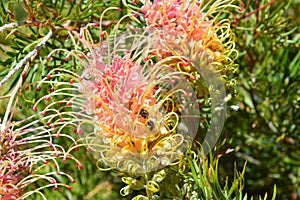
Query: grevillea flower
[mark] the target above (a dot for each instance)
(25, 150)
(139, 94)
(136, 117)
(194, 27)
(140, 109)
(134, 95)
(178, 17)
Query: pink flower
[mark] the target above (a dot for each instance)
(177, 16)
(8, 188)
(118, 93)
(24, 151)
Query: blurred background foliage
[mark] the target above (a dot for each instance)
(264, 131)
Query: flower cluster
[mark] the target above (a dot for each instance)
(131, 99)
(138, 97)
(177, 17)
(192, 28)
(8, 180)
(24, 151)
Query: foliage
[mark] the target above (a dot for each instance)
(265, 128)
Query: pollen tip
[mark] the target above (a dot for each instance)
(47, 98)
(102, 34)
(135, 30)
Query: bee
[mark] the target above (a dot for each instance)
(150, 124)
(144, 113)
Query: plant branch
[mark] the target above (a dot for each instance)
(12, 96)
(17, 24)
(28, 58)
(256, 10)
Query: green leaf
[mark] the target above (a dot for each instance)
(274, 193)
(294, 65)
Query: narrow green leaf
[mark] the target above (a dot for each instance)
(294, 65)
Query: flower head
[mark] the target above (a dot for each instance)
(135, 104)
(197, 31)
(194, 27)
(132, 101)
(178, 17)
(137, 89)
(25, 149)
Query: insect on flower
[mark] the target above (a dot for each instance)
(129, 107)
(136, 121)
(137, 95)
